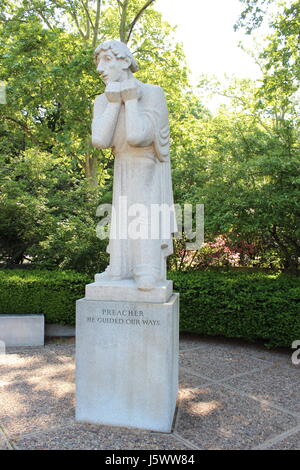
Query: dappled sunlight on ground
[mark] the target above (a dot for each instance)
(19, 368)
(244, 403)
(196, 403)
(204, 408)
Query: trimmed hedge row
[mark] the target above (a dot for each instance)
(234, 304)
(244, 305)
(52, 293)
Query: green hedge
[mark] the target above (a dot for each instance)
(52, 293)
(234, 304)
(240, 305)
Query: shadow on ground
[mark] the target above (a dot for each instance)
(233, 395)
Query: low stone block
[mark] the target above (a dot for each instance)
(22, 330)
(127, 363)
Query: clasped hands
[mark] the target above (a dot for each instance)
(118, 92)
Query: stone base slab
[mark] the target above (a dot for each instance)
(127, 363)
(22, 330)
(126, 290)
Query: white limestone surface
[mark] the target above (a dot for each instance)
(127, 363)
(22, 330)
(126, 290)
(131, 118)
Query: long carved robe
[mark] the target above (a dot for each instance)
(142, 175)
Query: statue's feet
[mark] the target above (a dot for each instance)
(145, 282)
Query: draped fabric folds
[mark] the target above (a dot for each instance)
(142, 175)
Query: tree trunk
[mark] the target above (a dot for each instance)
(97, 21)
(91, 170)
(122, 29)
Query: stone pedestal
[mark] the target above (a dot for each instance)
(127, 362)
(125, 290)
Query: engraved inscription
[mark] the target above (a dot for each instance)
(122, 317)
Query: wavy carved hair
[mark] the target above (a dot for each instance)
(119, 49)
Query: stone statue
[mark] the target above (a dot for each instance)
(127, 325)
(131, 117)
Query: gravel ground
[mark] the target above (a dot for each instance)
(233, 395)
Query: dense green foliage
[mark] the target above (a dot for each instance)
(240, 305)
(242, 163)
(233, 304)
(51, 293)
(49, 214)
(52, 179)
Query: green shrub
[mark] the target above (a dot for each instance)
(248, 305)
(52, 293)
(240, 305)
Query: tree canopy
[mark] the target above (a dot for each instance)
(242, 163)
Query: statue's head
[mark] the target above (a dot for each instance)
(114, 61)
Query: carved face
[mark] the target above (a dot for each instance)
(110, 68)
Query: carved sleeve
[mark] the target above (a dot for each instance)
(104, 122)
